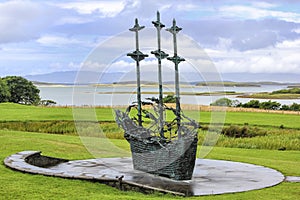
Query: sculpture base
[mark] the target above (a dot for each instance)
(210, 176)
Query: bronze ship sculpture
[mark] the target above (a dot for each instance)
(162, 147)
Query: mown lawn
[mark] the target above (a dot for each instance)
(17, 185)
(14, 112)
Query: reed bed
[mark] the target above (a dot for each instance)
(246, 136)
(53, 127)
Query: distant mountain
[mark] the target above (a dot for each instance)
(55, 77)
(262, 77)
(71, 77)
(88, 77)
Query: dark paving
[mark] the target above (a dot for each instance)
(210, 176)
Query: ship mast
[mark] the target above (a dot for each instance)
(137, 55)
(176, 60)
(159, 54)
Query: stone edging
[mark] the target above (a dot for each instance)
(210, 176)
(19, 162)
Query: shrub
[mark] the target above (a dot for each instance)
(4, 92)
(47, 102)
(251, 104)
(21, 90)
(222, 102)
(293, 107)
(285, 107)
(270, 105)
(242, 131)
(169, 99)
(287, 91)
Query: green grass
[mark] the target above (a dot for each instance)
(17, 185)
(270, 141)
(283, 161)
(266, 95)
(15, 112)
(293, 90)
(292, 93)
(251, 118)
(29, 118)
(228, 84)
(259, 138)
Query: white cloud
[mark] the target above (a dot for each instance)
(73, 20)
(13, 53)
(92, 66)
(60, 34)
(52, 40)
(119, 65)
(248, 12)
(282, 58)
(187, 7)
(20, 20)
(122, 66)
(296, 30)
(224, 43)
(289, 44)
(105, 8)
(261, 4)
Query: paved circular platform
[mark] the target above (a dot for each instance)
(210, 176)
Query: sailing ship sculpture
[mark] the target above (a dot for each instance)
(164, 148)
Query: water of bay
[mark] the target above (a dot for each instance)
(109, 95)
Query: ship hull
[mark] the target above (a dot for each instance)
(174, 160)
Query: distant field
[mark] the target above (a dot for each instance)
(266, 95)
(181, 93)
(15, 112)
(229, 84)
(291, 93)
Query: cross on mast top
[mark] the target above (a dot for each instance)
(137, 55)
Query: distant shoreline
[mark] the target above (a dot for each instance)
(181, 93)
(183, 85)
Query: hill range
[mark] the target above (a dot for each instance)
(88, 77)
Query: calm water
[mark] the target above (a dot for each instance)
(88, 95)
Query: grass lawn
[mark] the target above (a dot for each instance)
(17, 185)
(14, 112)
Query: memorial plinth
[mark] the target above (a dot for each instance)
(210, 176)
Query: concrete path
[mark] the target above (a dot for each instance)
(210, 176)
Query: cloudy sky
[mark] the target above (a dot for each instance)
(39, 37)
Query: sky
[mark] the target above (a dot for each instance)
(239, 36)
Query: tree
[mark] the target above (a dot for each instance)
(236, 103)
(4, 92)
(295, 107)
(285, 107)
(47, 102)
(222, 102)
(251, 104)
(22, 91)
(270, 105)
(169, 99)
